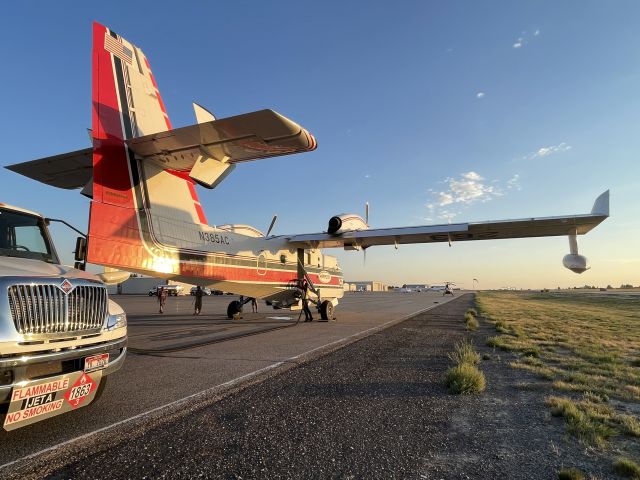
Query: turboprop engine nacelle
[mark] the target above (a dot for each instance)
(576, 263)
(346, 222)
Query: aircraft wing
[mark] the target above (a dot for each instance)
(458, 232)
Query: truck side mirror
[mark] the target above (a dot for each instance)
(79, 265)
(81, 250)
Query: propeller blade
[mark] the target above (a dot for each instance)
(366, 213)
(273, 222)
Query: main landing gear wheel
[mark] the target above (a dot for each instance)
(326, 310)
(234, 308)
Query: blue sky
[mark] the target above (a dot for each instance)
(427, 110)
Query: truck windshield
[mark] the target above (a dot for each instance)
(25, 236)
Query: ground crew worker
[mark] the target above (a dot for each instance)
(163, 293)
(254, 305)
(448, 290)
(198, 301)
(305, 302)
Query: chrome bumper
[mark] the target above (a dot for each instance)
(18, 364)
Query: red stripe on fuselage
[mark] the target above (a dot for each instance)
(115, 241)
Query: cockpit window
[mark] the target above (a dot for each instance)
(23, 235)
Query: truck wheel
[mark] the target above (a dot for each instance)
(233, 308)
(101, 387)
(326, 310)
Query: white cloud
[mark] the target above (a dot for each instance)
(514, 183)
(367, 175)
(536, 33)
(467, 189)
(546, 151)
(480, 95)
(518, 43)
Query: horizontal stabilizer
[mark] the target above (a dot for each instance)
(69, 170)
(242, 138)
(207, 151)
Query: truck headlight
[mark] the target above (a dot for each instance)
(118, 320)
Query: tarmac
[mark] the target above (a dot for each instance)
(183, 362)
(376, 408)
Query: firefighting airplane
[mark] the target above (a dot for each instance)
(146, 217)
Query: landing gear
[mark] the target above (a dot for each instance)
(326, 310)
(234, 308)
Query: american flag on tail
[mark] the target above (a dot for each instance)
(114, 46)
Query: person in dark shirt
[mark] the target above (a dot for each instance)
(199, 293)
(308, 317)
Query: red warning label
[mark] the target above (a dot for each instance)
(80, 390)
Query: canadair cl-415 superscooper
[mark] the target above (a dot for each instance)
(145, 215)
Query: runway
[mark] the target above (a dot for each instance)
(153, 385)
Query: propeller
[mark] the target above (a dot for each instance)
(273, 222)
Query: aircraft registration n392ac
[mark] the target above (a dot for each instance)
(145, 215)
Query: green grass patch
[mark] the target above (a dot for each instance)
(464, 352)
(501, 327)
(588, 424)
(570, 474)
(626, 468)
(499, 342)
(471, 321)
(585, 345)
(465, 378)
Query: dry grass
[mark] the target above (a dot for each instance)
(627, 468)
(471, 322)
(465, 377)
(586, 342)
(570, 474)
(470, 319)
(587, 347)
(464, 352)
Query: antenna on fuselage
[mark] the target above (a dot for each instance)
(273, 222)
(366, 220)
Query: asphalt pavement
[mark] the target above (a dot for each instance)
(153, 386)
(375, 409)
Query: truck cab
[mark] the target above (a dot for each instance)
(60, 334)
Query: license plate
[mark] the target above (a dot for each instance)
(97, 362)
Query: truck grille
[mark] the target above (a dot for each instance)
(38, 309)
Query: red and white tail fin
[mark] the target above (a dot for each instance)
(128, 194)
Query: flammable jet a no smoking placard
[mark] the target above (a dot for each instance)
(49, 397)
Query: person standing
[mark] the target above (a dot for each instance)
(305, 302)
(254, 305)
(162, 297)
(198, 302)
